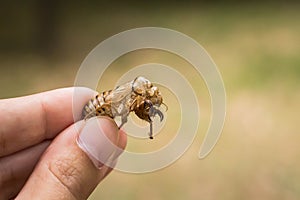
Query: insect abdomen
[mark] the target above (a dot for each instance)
(97, 107)
(89, 109)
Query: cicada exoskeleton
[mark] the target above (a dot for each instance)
(138, 96)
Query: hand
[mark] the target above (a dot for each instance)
(44, 154)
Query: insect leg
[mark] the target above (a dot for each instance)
(123, 120)
(151, 130)
(152, 112)
(165, 106)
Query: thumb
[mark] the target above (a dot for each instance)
(70, 169)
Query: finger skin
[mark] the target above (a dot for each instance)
(31, 119)
(121, 144)
(16, 168)
(65, 171)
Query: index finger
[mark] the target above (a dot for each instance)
(26, 121)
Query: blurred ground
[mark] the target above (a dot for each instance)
(256, 47)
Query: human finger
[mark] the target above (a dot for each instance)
(71, 169)
(28, 120)
(16, 168)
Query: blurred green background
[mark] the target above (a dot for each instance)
(256, 47)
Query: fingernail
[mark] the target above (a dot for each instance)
(98, 140)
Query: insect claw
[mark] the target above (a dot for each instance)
(160, 114)
(154, 111)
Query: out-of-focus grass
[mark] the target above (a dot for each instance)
(257, 50)
(273, 69)
(23, 76)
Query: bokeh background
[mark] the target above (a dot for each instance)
(256, 47)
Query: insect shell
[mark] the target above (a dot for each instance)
(138, 96)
